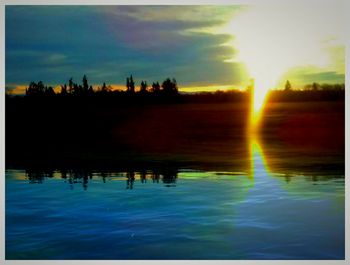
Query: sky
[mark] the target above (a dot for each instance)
(205, 48)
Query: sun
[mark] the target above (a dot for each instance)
(270, 41)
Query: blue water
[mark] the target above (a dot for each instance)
(179, 214)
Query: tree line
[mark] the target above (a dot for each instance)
(316, 87)
(168, 87)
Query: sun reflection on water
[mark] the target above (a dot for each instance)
(258, 161)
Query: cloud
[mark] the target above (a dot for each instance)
(188, 13)
(108, 43)
(53, 43)
(300, 76)
(54, 59)
(158, 36)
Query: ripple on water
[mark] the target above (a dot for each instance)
(206, 215)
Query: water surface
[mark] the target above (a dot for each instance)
(173, 214)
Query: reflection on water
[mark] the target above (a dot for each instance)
(280, 196)
(166, 176)
(258, 161)
(173, 214)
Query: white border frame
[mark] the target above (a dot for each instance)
(166, 2)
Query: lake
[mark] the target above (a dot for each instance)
(180, 181)
(174, 214)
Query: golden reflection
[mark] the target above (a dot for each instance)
(258, 161)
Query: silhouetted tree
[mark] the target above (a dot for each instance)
(71, 86)
(143, 87)
(155, 87)
(40, 87)
(288, 86)
(315, 86)
(49, 91)
(75, 89)
(104, 87)
(37, 89)
(85, 84)
(130, 84)
(170, 86)
(127, 84)
(64, 90)
(324, 87)
(91, 90)
(32, 89)
(175, 88)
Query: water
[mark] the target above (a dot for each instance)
(174, 214)
(278, 194)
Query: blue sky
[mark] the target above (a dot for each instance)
(108, 43)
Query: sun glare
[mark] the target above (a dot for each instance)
(259, 98)
(270, 41)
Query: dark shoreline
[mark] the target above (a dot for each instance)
(204, 132)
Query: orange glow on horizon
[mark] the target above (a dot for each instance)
(20, 89)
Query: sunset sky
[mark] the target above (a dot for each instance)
(203, 47)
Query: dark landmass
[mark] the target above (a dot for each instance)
(301, 131)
